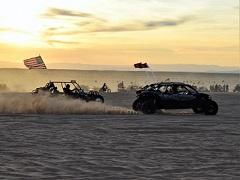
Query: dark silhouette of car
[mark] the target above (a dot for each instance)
(55, 88)
(173, 95)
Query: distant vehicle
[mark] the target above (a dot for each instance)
(64, 88)
(104, 89)
(108, 90)
(121, 87)
(237, 88)
(173, 95)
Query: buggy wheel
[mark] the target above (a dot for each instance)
(136, 106)
(148, 107)
(211, 108)
(99, 99)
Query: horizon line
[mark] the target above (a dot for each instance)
(170, 71)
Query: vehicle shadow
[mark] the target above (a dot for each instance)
(182, 112)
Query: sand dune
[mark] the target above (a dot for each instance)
(171, 145)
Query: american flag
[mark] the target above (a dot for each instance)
(35, 63)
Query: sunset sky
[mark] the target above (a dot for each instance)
(121, 32)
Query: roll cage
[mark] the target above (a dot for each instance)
(64, 83)
(168, 87)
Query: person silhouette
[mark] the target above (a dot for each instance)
(67, 90)
(104, 87)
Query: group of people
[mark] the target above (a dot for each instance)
(212, 88)
(120, 87)
(53, 89)
(219, 88)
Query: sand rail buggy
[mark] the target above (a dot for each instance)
(70, 89)
(173, 95)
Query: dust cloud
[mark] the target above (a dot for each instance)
(23, 103)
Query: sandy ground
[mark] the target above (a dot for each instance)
(168, 145)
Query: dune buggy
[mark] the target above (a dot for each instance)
(70, 89)
(173, 95)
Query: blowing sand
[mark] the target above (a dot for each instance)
(26, 103)
(108, 143)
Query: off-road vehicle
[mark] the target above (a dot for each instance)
(70, 89)
(173, 95)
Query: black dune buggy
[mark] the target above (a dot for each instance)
(70, 89)
(173, 95)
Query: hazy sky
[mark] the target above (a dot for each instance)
(121, 31)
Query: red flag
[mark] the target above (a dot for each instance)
(141, 65)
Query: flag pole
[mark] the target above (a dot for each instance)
(149, 74)
(153, 74)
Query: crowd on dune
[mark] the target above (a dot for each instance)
(219, 88)
(212, 88)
